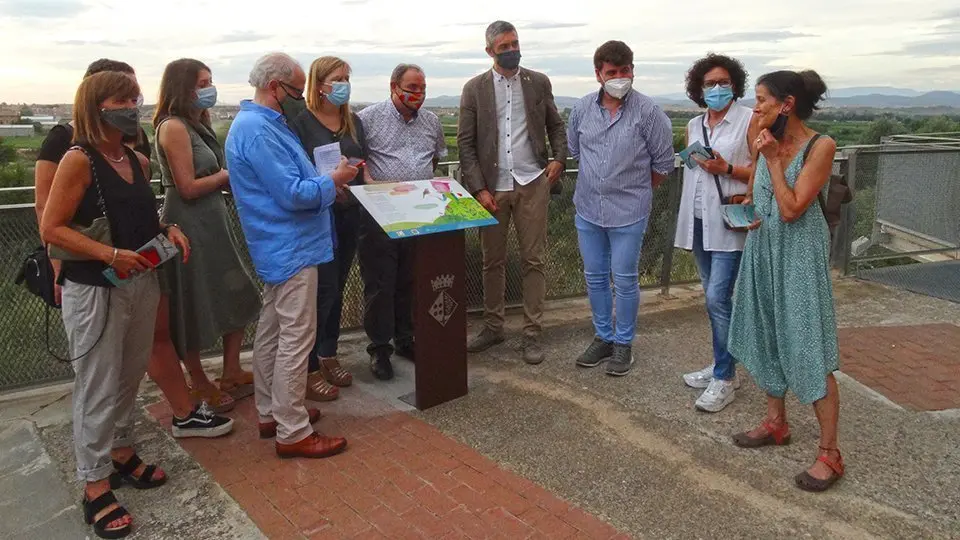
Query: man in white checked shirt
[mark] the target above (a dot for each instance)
(403, 143)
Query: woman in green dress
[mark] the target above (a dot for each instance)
(214, 296)
(783, 327)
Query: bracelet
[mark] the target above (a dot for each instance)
(729, 169)
(114, 259)
(166, 230)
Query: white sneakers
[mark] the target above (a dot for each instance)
(718, 393)
(699, 379)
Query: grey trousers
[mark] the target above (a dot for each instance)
(108, 377)
(285, 336)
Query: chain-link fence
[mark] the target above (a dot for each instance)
(23, 355)
(905, 222)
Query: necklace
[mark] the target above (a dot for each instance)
(115, 160)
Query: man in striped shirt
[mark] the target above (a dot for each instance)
(624, 144)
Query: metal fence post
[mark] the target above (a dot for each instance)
(841, 254)
(673, 203)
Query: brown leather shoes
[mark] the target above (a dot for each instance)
(314, 446)
(268, 430)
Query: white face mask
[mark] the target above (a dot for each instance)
(618, 88)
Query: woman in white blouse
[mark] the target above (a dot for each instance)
(715, 83)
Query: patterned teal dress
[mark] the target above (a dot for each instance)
(783, 328)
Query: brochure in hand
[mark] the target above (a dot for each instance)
(157, 251)
(696, 149)
(738, 215)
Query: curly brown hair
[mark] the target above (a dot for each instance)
(700, 68)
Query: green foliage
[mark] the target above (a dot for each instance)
(26, 111)
(938, 124)
(7, 152)
(878, 129)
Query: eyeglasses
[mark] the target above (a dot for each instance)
(722, 84)
(294, 92)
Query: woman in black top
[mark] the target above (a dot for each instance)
(164, 371)
(109, 329)
(327, 120)
(60, 139)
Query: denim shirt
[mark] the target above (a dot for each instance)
(284, 206)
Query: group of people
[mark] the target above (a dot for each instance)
(768, 291)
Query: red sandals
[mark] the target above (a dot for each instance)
(807, 482)
(776, 435)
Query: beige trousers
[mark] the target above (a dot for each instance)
(285, 336)
(527, 207)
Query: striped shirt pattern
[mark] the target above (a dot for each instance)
(397, 150)
(617, 156)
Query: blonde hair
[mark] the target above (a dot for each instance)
(88, 125)
(320, 69)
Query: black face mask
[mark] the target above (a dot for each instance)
(779, 126)
(127, 120)
(509, 60)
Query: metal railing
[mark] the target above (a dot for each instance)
(876, 174)
(24, 359)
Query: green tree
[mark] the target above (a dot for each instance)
(26, 111)
(878, 129)
(938, 124)
(8, 154)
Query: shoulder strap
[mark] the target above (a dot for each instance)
(706, 143)
(803, 161)
(94, 180)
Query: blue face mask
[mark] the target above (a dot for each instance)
(206, 97)
(340, 94)
(718, 97)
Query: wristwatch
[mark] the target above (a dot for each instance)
(729, 169)
(166, 230)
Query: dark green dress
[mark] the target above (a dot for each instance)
(214, 293)
(783, 328)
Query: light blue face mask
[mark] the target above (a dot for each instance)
(206, 97)
(718, 97)
(340, 93)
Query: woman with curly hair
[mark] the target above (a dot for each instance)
(715, 83)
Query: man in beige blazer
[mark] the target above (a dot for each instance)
(507, 115)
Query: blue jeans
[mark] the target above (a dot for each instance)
(616, 249)
(718, 272)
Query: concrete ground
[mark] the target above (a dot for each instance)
(632, 451)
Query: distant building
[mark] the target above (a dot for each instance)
(22, 130)
(9, 115)
(40, 119)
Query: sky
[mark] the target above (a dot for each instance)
(47, 44)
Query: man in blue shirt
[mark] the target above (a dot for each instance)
(284, 209)
(624, 143)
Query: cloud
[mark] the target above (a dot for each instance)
(41, 9)
(242, 36)
(93, 43)
(545, 25)
(762, 35)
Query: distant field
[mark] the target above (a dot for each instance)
(25, 143)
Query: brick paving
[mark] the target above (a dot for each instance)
(399, 478)
(917, 367)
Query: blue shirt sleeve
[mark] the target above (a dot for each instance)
(659, 139)
(281, 176)
(573, 132)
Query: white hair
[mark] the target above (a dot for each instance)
(276, 66)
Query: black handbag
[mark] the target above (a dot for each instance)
(36, 274)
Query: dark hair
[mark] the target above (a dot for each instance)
(105, 64)
(806, 87)
(700, 68)
(613, 52)
(177, 87)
